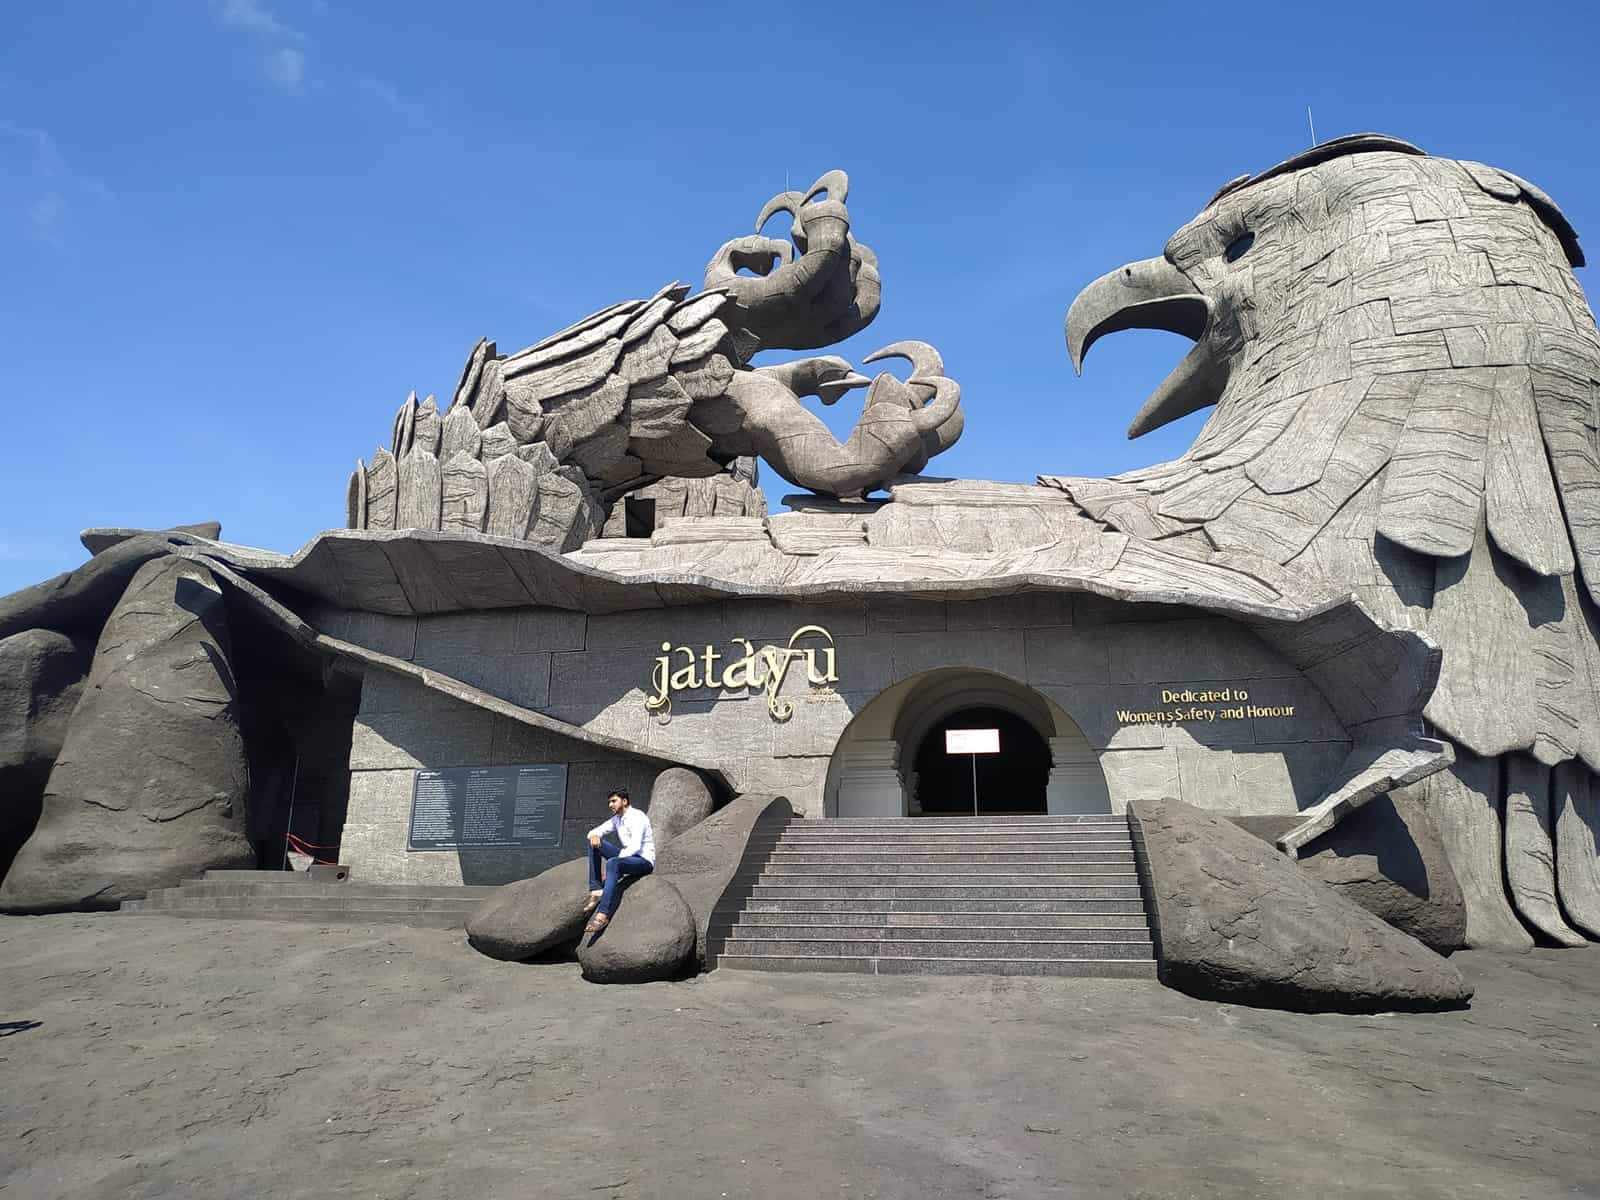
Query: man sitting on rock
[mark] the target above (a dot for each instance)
(632, 856)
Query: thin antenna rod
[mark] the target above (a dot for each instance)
(1313, 125)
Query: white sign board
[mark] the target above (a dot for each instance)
(972, 741)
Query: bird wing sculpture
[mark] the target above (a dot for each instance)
(1405, 377)
(538, 444)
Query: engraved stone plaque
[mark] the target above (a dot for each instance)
(475, 808)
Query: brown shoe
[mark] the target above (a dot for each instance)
(592, 903)
(596, 923)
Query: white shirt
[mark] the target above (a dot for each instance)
(633, 832)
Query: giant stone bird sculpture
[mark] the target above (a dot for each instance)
(1405, 377)
(538, 445)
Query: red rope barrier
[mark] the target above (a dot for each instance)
(300, 846)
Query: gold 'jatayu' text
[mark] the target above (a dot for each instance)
(680, 668)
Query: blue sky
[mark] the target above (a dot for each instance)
(235, 233)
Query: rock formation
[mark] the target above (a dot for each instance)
(679, 800)
(524, 919)
(650, 938)
(707, 863)
(151, 782)
(1236, 920)
(1387, 857)
(530, 917)
(41, 676)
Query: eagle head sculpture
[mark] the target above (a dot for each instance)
(1405, 377)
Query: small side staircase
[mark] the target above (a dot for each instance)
(293, 896)
(945, 895)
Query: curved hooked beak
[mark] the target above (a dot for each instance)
(788, 202)
(1152, 294)
(935, 400)
(924, 359)
(835, 389)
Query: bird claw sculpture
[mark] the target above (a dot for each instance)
(537, 444)
(902, 424)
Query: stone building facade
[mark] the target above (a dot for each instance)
(1102, 683)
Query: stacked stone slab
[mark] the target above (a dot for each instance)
(1406, 380)
(448, 475)
(733, 494)
(294, 896)
(937, 895)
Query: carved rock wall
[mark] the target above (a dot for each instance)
(151, 784)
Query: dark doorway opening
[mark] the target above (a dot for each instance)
(1011, 782)
(297, 717)
(638, 516)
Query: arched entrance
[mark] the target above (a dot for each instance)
(1009, 782)
(890, 760)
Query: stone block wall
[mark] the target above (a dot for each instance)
(403, 727)
(1089, 656)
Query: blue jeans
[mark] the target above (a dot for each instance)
(622, 867)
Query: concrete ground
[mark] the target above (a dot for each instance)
(147, 1056)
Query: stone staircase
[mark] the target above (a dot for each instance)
(292, 896)
(944, 895)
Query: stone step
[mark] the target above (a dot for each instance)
(299, 879)
(963, 821)
(371, 891)
(1047, 930)
(988, 948)
(994, 851)
(302, 879)
(951, 842)
(968, 829)
(902, 872)
(292, 896)
(937, 858)
(181, 900)
(946, 891)
(1111, 968)
(814, 918)
(1013, 837)
(1018, 896)
(420, 920)
(1059, 906)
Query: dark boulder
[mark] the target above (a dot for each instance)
(651, 937)
(531, 916)
(1387, 857)
(545, 913)
(709, 866)
(41, 676)
(99, 540)
(151, 782)
(679, 800)
(78, 601)
(1238, 921)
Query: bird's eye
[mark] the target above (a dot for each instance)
(1236, 248)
